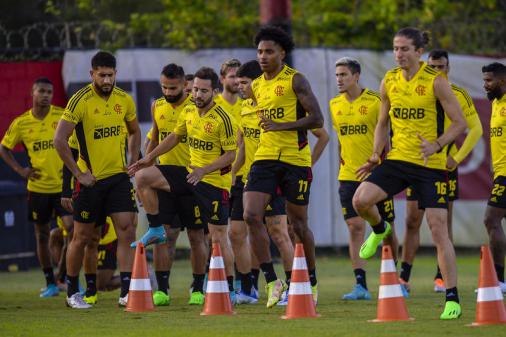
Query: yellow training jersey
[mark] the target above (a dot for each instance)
(166, 117)
(414, 111)
(108, 234)
(208, 137)
(355, 123)
(277, 101)
(100, 129)
(37, 135)
(251, 135)
(498, 136)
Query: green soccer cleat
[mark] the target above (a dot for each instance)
(196, 298)
(370, 246)
(452, 311)
(160, 298)
(314, 291)
(92, 299)
(274, 291)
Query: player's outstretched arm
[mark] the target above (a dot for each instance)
(134, 140)
(321, 143)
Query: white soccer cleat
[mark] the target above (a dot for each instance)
(76, 302)
(502, 285)
(122, 302)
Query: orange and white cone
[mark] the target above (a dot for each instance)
(300, 296)
(489, 305)
(217, 300)
(140, 296)
(391, 304)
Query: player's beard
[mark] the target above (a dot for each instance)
(494, 93)
(103, 92)
(233, 89)
(202, 104)
(174, 99)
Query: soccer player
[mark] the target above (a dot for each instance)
(494, 79)
(99, 113)
(354, 115)
(439, 60)
(211, 133)
(288, 109)
(35, 129)
(409, 102)
(165, 113)
(188, 86)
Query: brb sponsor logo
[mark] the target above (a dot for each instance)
(274, 113)
(251, 132)
(409, 113)
(351, 129)
(496, 131)
(106, 132)
(43, 145)
(198, 144)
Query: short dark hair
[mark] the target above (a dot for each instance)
(206, 73)
(173, 71)
(232, 63)
(437, 54)
(103, 59)
(420, 39)
(250, 69)
(349, 62)
(189, 77)
(276, 34)
(42, 80)
(496, 68)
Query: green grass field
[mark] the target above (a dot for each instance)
(22, 313)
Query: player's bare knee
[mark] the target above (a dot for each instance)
(252, 219)
(360, 203)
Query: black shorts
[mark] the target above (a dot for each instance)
(107, 256)
(275, 207)
(179, 212)
(42, 207)
(213, 202)
(267, 175)
(347, 189)
(498, 196)
(453, 188)
(431, 185)
(110, 195)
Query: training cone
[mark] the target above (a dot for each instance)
(140, 296)
(217, 300)
(391, 304)
(300, 296)
(489, 305)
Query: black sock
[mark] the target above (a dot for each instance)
(452, 295)
(62, 278)
(153, 220)
(91, 284)
(269, 273)
(405, 271)
(288, 275)
(72, 285)
(500, 272)
(312, 277)
(360, 277)
(125, 282)
(246, 282)
(255, 273)
(49, 275)
(230, 280)
(198, 283)
(438, 273)
(379, 228)
(162, 279)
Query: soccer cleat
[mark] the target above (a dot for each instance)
(61, 285)
(122, 301)
(196, 298)
(369, 247)
(160, 298)
(76, 302)
(233, 299)
(314, 290)
(274, 291)
(452, 311)
(358, 293)
(439, 285)
(50, 291)
(502, 285)
(237, 285)
(154, 235)
(243, 298)
(405, 288)
(284, 299)
(92, 299)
